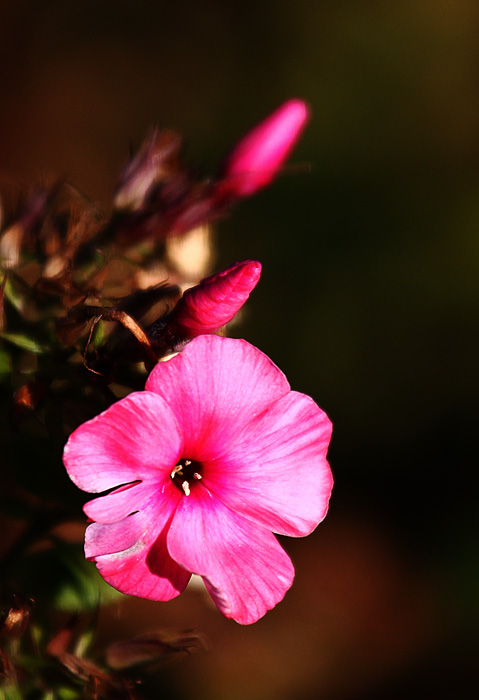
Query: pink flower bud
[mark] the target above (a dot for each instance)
(257, 158)
(212, 303)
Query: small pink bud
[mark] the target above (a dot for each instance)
(257, 158)
(215, 300)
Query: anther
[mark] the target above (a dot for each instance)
(186, 473)
(176, 470)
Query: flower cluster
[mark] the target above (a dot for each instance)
(198, 472)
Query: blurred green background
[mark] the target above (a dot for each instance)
(369, 299)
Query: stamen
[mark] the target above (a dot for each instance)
(176, 470)
(186, 473)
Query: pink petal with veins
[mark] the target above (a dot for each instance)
(131, 440)
(275, 474)
(244, 568)
(214, 387)
(131, 554)
(120, 503)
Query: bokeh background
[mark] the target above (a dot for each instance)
(368, 301)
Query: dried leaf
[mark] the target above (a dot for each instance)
(153, 648)
(28, 396)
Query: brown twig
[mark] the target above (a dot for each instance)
(112, 314)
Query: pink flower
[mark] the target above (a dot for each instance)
(212, 458)
(257, 158)
(214, 301)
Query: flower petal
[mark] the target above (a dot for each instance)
(116, 537)
(131, 554)
(243, 566)
(215, 386)
(136, 438)
(277, 474)
(119, 503)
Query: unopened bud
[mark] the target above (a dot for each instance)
(258, 157)
(211, 304)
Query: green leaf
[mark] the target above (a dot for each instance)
(65, 693)
(61, 578)
(85, 589)
(5, 363)
(99, 334)
(15, 298)
(10, 692)
(24, 342)
(37, 634)
(84, 642)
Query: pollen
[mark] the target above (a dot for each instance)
(178, 470)
(185, 474)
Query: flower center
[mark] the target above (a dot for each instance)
(186, 473)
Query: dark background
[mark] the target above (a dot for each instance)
(368, 301)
